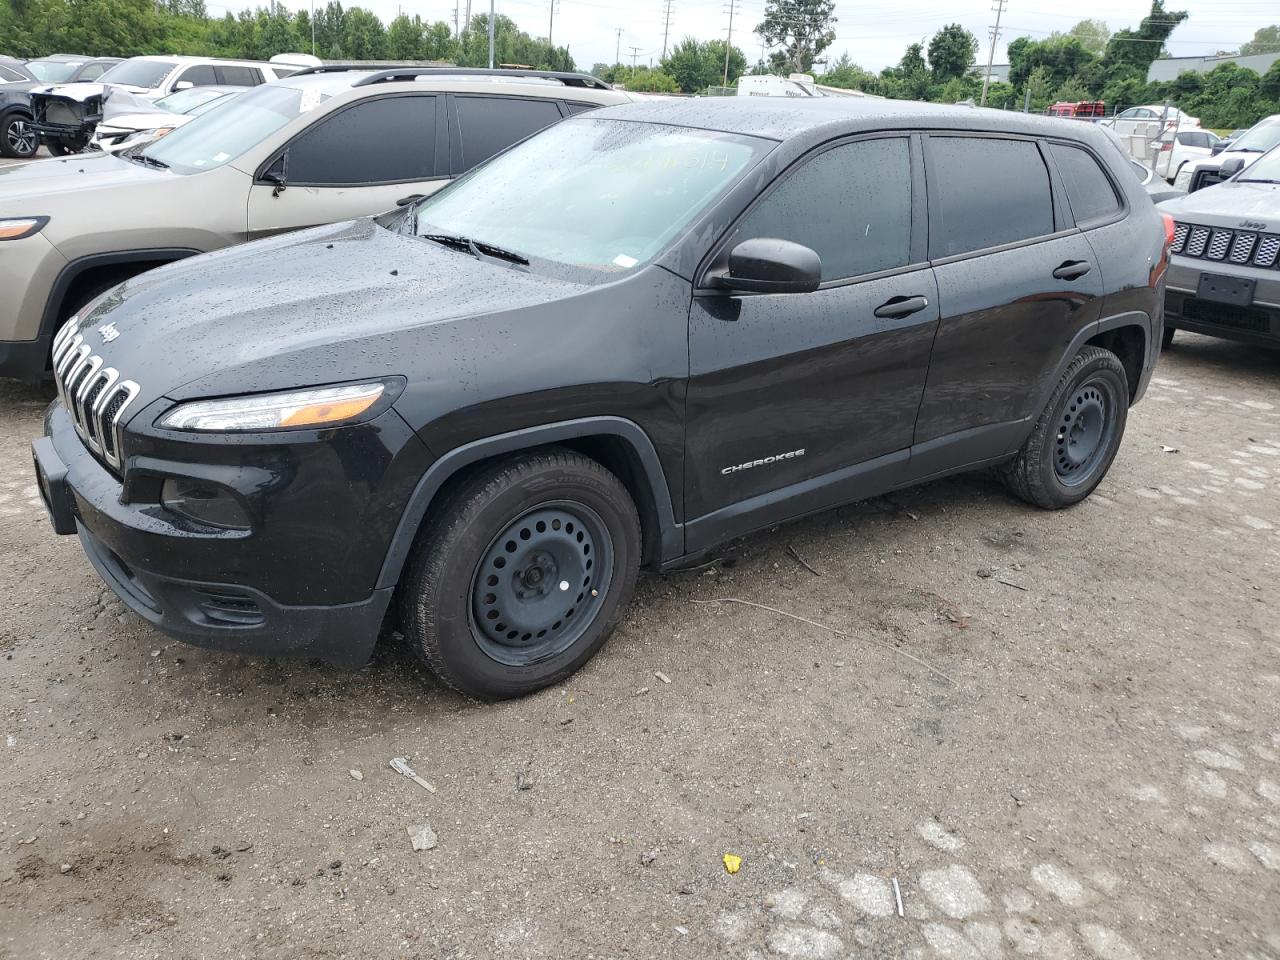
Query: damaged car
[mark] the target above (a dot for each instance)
(129, 122)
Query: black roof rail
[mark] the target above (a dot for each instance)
(393, 74)
(344, 68)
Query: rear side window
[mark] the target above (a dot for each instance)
(852, 204)
(491, 124)
(1089, 190)
(580, 107)
(239, 76)
(388, 140)
(990, 192)
(93, 71)
(201, 76)
(7, 74)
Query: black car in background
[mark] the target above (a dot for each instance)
(17, 138)
(636, 335)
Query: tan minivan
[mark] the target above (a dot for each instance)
(327, 144)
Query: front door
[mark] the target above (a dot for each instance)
(803, 388)
(354, 162)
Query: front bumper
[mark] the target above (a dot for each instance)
(1257, 322)
(200, 586)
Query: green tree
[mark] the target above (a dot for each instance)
(1131, 52)
(802, 28)
(404, 38)
(952, 52)
(1040, 87)
(1092, 34)
(696, 65)
(363, 35)
(909, 80)
(846, 74)
(644, 80)
(1265, 40)
(1061, 58)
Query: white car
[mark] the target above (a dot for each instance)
(65, 115)
(129, 122)
(1248, 147)
(1150, 121)
(1174, 149)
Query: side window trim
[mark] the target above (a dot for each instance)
(935, 199)
(279, 152)
(717, 257)
(1055, 172)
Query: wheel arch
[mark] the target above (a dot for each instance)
(1128, 341)
(618, 444)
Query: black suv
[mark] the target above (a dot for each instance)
(628, 339)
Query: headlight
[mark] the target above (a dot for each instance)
(321, 406)
(19, 228)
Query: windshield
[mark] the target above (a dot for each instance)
(138, 73)
(52, 71)
(606, 195)
(1264, 169)
(221, 135)
(185, 100)
(1259, 139)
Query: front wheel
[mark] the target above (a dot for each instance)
(17, 140)
(1076, 437)
(521, 574)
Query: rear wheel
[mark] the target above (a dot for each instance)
(1076, 437)
(17, 140)
(521, 574)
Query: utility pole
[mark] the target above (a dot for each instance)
(635, 55)
(551, 23)
(313, 27)
(491, 6)
(991, 51)
(728, 44)
(617, 49)
(666, 25)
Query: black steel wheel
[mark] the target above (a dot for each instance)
(18, 140)
(541, 582)
(520, 573)
(1075, 439)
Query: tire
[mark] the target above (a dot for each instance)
(1167, 338)
(17, 140)
(545, 546)
(60, 148)
(1076, 437)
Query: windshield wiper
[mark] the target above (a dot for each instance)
(1251, 180)
(476, 247)
(150, 161)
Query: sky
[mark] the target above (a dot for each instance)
(874, 34)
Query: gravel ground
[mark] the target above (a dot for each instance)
(1049, 734)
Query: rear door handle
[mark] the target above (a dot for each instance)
(1073, 270)
(901, 307)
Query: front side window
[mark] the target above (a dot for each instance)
(598, 197)
(148, 74)
(851, 204)
(990, 192)
(222, 135)
(491, 124)
(388, 140)
(1089, 190)
(199, 76)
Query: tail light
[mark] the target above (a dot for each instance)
(1169, 228)
(1166, 146)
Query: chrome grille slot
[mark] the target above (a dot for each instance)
(93, 394)
(1197, 240)
(1179, 236)
(1242, 247)
(1218, 245)
(1268, 247)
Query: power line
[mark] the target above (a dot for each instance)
(666, 26)
(991, 50)
(617, 48)
(551, 22)
(635, 54)
(728, 44)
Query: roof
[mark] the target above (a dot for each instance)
(332, 80)
(780, 118)
(1169, 67)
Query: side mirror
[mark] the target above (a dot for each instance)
(1230, 168)
(277, 174)
(770, 265)
(183, 85)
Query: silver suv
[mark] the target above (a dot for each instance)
(1224, 275)
(327, 144)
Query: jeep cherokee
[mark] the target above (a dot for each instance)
(484, 412)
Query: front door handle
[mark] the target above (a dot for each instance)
(900, 307)
(1073, 270)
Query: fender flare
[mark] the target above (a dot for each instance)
(670, 533)
(74, 268)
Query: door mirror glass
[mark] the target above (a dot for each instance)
(770, 265)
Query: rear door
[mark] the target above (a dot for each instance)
(1016, 282)
(356, 161)
(482, 126)
(801, 388)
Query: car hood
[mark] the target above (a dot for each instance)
(340, 302)
(79, 92)
(1230, 204)
(142, 121)
(24, 184)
